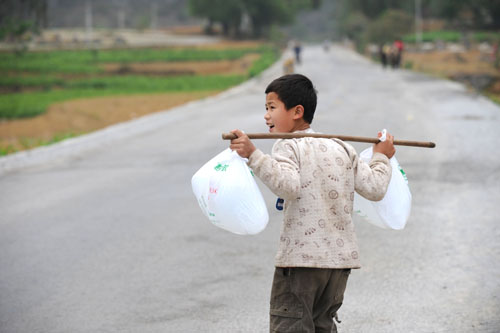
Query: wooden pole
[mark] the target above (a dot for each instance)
(231, 136)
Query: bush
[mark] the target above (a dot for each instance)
(354, 25)
(433, 36)
(389, 26)
(486, 36)
(408, 65)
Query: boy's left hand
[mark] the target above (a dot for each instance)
(242, 145)
(385, 147)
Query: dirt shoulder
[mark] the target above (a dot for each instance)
(81, 116)
(474, 68)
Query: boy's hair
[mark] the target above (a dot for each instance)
(295, 89)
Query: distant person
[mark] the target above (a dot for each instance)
(385, 52)
(317, 179)
(394, 56)
(326, 45)
(495, 55)
(399, 47)
(288, 67)
(297, 48)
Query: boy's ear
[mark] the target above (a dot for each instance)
(298, 112)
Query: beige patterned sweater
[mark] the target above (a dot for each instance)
(317, 178)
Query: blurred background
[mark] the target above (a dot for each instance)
(69, 67)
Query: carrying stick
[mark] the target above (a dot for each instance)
(231, 136)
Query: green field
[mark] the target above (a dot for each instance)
(88, 61)
(453, 36)
(30, 82)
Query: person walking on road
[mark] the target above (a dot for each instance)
(297, 49)
(398, 52)
(385, 52)
(317, 179)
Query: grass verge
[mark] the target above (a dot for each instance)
(28, 143)
(451, 36)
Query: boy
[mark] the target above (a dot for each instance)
(317, 178)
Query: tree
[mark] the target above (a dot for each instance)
(354, 25)
(20, 19)
(226, 12)
(485, 13)
(262, 13)
(374, 8)
(17, 17)
(389, 26)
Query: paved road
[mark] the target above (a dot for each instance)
(102, 233)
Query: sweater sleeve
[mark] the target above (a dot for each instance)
(279, 172)
(370, 179)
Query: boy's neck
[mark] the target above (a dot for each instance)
(300, 126)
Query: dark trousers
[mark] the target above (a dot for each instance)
(306, 299)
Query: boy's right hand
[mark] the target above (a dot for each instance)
(242, 144)
(385, 147)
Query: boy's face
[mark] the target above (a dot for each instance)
(278, 118)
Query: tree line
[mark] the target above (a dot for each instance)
(20, 16)
(385, 20)
(260, 14)
(357, 19)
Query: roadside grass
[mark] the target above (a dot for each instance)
(495, 98)
(7, 150)
(28, 143)
(267, 58)
(432, 36)
(451, 36)
(487, 36)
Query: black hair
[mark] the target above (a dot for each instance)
(295, 89)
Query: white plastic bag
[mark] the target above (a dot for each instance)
(229, 196)
(393, 211)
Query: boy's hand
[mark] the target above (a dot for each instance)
(242, 145)
(385, 147)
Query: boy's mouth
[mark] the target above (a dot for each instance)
(270, 127)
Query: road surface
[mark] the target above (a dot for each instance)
(103, 234)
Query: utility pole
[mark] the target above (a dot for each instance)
(154, 16)
(418, 23)
(88, 20)
(121, 18)
(121, 13)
